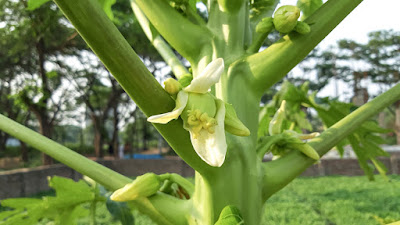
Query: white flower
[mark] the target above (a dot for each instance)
(203, 115)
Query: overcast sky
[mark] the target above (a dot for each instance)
(370, 15)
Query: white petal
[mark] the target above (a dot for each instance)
(212, 147)
(207, 78)
(164, 118)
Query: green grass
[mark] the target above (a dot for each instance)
(327, 201)
(335, 200)
(314, 201)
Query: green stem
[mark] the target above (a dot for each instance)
(279, 173)
(186, 37)
(158, 42)
(101, 174)
(266, 144)
(93, 213)
(256, 45)
(164, 209)
(127, 68)
(229, 30)
(272, 64)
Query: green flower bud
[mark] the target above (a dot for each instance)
(172, 86)
(302, 28)
(230, 6)
(230, 215)
(293, 141)
(185, 80)
(285, 18)
(306, 149)
(232, 123)
(143, 186)
(275, 126)
(266, 25)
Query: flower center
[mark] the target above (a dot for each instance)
(198, 121)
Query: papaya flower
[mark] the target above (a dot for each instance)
(204, 115)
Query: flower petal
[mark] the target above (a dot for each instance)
(212, 147)
(164, 118)
(207, 78)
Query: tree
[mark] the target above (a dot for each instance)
(231, 182)
(33, 42)
(376, 62)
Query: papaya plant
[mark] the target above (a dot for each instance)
(209, 115)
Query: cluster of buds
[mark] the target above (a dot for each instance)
(285, 20)
(288, 139)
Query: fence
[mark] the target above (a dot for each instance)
(26, 182)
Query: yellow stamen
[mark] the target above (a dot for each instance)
(198, 121)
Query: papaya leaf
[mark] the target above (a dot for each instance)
(34, 4)
(230, 215)
(120, 211)
(106, 5)
(64, 208)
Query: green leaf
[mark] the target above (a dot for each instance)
(64, 207)
(381, 168)
(51, 74)
(230, 215)
(34, 4)
(308, 7)
(106, 5)
(120, 211)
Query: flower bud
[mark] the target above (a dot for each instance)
(266, 25)
(276, 122)
(233, 124)
(143, 186)
(302, 28)
(306, 149)
(285, 18)
(172, 86)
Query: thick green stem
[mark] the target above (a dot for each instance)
(117, 55)
(186, 37)
(272, 64)
(229, 30)
(101, 174)
(279, 173)
(178, 69)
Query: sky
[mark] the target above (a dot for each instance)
(370, 15)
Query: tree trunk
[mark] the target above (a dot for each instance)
(114, 140)
(3, 141)
(24, 152)
(98, 137)
(397, 122)
(98, 144)
(145, 136)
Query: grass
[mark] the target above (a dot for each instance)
(314, 201)
(335, 201)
